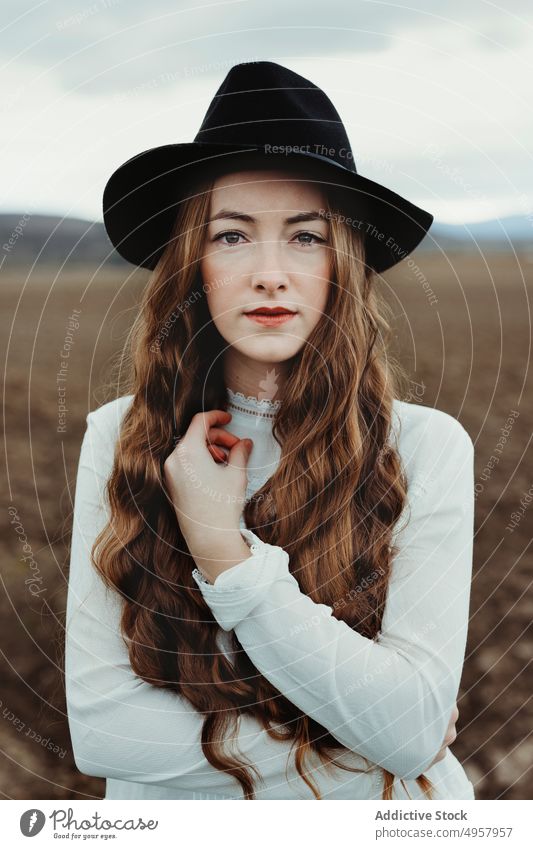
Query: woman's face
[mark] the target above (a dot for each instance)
(266, 246)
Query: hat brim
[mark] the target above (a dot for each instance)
(140, 201)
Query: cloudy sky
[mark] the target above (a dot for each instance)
(436, 97)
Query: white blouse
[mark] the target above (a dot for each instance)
(388, 699)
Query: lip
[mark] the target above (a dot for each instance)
(270, 320)
(274, 309)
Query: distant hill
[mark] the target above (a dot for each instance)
(49, 239)
(496, 234)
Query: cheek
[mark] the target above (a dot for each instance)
(318, 307)
(214, 266)
(221, 304)
(212, 283)
(319, 286)
(215, 262)
(217, 305)
(208, 267)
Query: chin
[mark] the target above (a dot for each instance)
(271, 348)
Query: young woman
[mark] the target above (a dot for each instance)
(271, 555)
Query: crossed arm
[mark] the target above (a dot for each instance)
(390, 699)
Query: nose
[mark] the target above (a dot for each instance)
(268, 273)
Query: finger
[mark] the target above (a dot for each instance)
(202, 422)
(455, 713)
(239, 454)
(222, 441)
(217, 453)
(219, 436)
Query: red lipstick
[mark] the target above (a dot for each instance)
(270, 316)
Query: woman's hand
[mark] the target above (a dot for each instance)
(206, 477)
(450, 736)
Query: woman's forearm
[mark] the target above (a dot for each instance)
(218, 552)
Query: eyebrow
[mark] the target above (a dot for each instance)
(312, 215)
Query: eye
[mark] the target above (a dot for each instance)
(318, 239)
(220, 236)
(234, 235)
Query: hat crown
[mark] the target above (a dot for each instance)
(265, 104)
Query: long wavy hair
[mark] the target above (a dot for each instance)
(340, 505)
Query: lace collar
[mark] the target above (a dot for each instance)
(263, 407)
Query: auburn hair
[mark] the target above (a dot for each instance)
(340, 505)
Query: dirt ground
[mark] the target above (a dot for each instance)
(464, 331)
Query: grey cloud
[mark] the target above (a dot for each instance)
(110, 46)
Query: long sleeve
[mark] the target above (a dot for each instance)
(121, 727)
(388, 699)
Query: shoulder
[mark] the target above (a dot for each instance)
(101, 434)
(107, 419)
(429, 441)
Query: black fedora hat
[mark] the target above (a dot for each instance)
(260, 108)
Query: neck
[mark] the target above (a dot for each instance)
(252, 378)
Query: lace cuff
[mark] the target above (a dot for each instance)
(238, 590)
